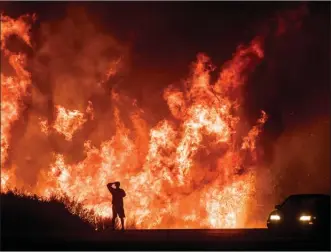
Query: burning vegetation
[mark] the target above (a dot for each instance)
(193, 169)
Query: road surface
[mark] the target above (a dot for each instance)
(220, 239)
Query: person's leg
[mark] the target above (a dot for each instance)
(122, 223)
(113, 222)
(114, 218)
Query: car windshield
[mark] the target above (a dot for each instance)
(303, 201)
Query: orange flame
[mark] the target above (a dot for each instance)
(68, 121)
(183, 172)
(13, 87)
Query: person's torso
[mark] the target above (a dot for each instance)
(117, 197)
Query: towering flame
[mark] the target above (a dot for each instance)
(187, 171)
(13, 87)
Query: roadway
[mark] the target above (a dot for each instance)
(216, 239)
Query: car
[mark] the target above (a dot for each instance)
(301, 212)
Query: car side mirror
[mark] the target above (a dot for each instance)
(277, 207)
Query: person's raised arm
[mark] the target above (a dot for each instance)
(109, 186)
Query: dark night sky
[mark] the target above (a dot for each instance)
(293, 82)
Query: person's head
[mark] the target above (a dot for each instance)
(117, 184)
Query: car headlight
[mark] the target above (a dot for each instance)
(305, 218)
(274, 217)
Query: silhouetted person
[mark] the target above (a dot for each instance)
(118, 208)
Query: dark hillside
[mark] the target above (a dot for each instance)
(22, 215)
